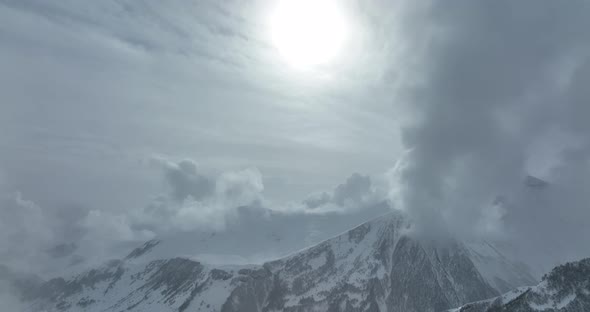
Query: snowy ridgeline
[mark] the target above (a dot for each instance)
(565, 289)
(373, 267)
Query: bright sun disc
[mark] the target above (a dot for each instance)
(308, 32)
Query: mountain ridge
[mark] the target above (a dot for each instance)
(565, 289)
(375, 266)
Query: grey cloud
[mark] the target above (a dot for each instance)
(480, 87)
(163, 29)
(495, 76)
(116, 80)
(550, 222)
(232, 196)
(186, 181)
(318, 199)
(9, 297)
(353, 190)
(197, 200)
(356, 193)
(24, 231)
(39, 240)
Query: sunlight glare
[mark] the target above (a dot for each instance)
(308, 32)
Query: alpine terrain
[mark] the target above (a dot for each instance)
(565, 289)
(377, 266)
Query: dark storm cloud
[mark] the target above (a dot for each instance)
(495, 77)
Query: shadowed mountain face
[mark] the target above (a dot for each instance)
(374, 267)
(565, 289)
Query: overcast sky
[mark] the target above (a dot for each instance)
(112, 112)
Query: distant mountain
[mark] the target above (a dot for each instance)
(376, 266)
(257, 235)
(253, 235)
(565, 289)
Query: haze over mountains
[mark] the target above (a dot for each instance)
(377, 266)
(294, 154)
(262, 264)
(565, 288)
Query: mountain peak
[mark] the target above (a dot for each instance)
(375, 266)
(143, 249)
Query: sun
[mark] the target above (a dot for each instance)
(308, 32)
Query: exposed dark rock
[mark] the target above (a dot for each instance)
(357, 234)
(218, 274)
(174, 277)
(139, 251)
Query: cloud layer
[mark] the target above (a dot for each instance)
(191, 204)
(483, 93)
(24, 230)
(499, 94)
(199, 201)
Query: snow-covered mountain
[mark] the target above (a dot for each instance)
(253, 235)
(259, 235)
(565, 289)
(501, 271)
(376, 266)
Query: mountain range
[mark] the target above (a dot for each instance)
(377, 266)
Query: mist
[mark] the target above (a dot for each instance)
(126, 122)
(501, 96)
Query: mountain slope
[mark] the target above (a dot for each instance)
(502, 272)
(373, 267)
(257, 235)
(253, 235)
(565, 289)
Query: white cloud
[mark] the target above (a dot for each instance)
(357, 193)
(471, 86)
(197, 200)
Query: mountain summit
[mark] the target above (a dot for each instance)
(376, 266)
